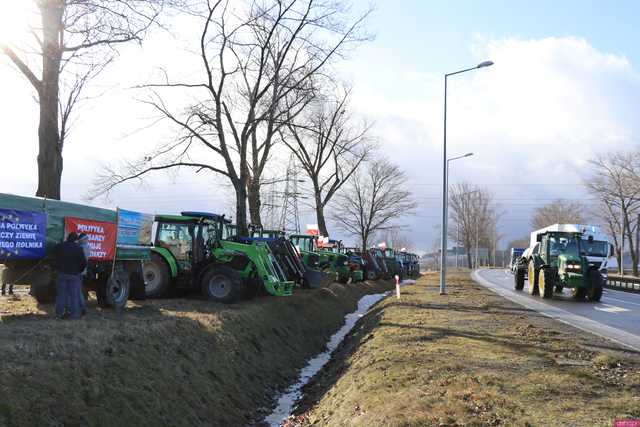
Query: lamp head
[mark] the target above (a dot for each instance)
(485, 64)
(468, 155)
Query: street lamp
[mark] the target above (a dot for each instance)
(443, 251)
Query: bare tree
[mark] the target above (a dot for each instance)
(474, 218)
(330, 145)
(559, 211)
(522, 242)
(615, 181)
(255, 58)
(372, 201)
(75, 41)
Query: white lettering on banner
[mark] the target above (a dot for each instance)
(7, 245)
(21, 226)
(6, 235)
(31, 236)
(85, 228)
(29, 245)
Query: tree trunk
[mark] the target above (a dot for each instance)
(253, 193)
(322, 224)
(468, 245)
(50, 148)
(241, 207)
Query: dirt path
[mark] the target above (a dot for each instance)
(178, 362)
(470, 358)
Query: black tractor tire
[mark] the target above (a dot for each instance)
(114, 292)
(43, 287)
(156, 277)
(371, 274)
(532, 278)
(559, 289)
(546, 283)
(518, 279)
(596, 285)
(222, 284)
(44, 294)
(578, 293)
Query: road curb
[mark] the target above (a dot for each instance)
(616, 335)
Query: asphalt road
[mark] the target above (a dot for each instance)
(616, 316)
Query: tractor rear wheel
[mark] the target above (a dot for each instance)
(532, 278)
(596, 283)
(222, 284)
(559, 289)
(156, 277)
(371, 274)
(545, 283)
(518, 279)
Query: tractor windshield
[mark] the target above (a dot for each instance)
(594, 248)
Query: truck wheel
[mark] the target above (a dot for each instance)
(596, 283)
(545, 283)
(371, 274)
(533, 278)
(518, 279)
(222, 284)
(156, 277)
(114, 293)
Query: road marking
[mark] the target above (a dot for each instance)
(619, 336)
(621, 300)
(610, 308)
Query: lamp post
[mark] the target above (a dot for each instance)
(457, 228)
(443, 251)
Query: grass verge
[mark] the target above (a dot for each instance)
(180, 362)
(470, 358)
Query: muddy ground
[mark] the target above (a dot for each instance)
(470, 358)
(178, 362)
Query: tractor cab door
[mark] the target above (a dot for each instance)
(178, 239)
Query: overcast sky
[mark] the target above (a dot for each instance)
(564, 88)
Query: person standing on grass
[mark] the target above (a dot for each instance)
(69, 263)
(83, 241)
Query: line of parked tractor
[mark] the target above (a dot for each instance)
(190, 252)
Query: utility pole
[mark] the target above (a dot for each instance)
(622, 224)
(290, 219)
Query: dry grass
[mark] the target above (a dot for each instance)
(470, 358)
(180, 362)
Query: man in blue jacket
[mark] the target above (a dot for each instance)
(70, 262)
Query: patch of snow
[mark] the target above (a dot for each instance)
(294, 392)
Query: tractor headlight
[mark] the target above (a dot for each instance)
(574, 267)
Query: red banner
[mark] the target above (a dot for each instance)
(102, 236)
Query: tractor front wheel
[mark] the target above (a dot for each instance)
(222, 284)
(596, 283)
(545, 283)
(518, 279)
(533, 278)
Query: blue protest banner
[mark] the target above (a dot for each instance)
(22, 234)
(134, 228)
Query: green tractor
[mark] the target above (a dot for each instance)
(321, 259)
(189, 253)
(559, 260)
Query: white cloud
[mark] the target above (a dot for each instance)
(535, 117)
